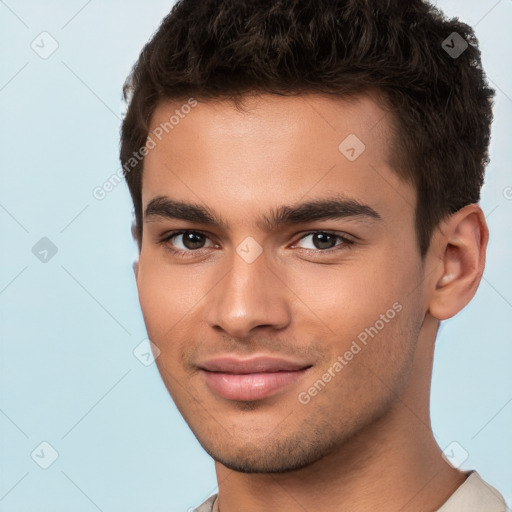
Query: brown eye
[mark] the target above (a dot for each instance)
(192, 240)
(324, 241)
(185, 242)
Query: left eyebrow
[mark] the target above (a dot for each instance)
(339, 207)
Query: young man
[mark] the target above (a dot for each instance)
(305, 177)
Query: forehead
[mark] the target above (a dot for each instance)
(270, 119)
(277, 147)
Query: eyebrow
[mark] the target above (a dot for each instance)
(339, 207)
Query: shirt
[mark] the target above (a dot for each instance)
(473, 495)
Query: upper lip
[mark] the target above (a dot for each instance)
(259, 364)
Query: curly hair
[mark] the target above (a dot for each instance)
(440, 103)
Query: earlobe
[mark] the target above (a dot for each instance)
(460, 246)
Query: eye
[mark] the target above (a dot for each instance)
(325, 241)
(183, 242)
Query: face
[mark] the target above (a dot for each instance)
(288, 313)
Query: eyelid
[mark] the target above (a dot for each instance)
(346, 238)
(172, 234)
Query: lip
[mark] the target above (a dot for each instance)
(250, 379)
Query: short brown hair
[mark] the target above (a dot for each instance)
(225, 49)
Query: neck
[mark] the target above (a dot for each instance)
(392, 464)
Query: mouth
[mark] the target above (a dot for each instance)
(251, 379)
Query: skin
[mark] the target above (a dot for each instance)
(364, 442)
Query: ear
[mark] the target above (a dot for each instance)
(459, 246)
(136, 268)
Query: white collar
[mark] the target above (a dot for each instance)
(474, 495)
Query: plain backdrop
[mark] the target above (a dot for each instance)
(70, 319)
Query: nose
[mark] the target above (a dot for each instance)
(250, 295)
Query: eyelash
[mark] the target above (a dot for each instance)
(346, 242)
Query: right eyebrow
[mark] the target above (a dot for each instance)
(165, 207)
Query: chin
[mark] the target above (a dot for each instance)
(279, 456)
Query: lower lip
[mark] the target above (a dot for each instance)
(250, 386)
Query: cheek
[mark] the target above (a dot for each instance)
(166, 295)
(349, 295)
(366, 308)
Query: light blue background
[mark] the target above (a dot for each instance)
(69, 326)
